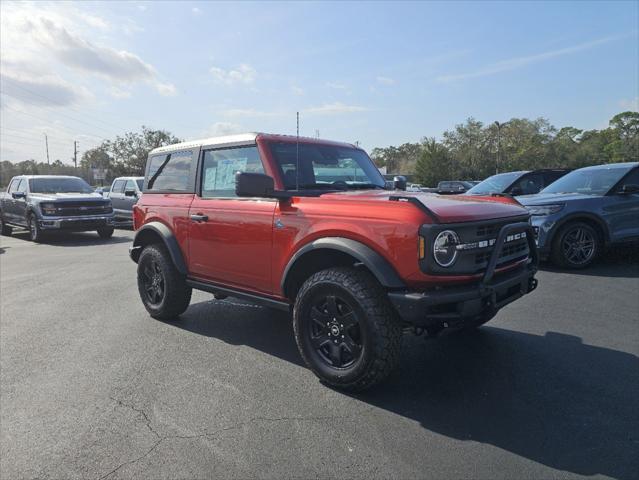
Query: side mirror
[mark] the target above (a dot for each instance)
(629, 189)
(399, 182)
(130, 193)
(254, 185)
(17, 195)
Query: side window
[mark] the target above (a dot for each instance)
(130, 185)
(550, 177)
(171, 172)
(529, 184)
(118, 186)
(220, 166)
(632, 178)
(14, 185)
(22, 186)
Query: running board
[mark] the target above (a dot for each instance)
(251, 297)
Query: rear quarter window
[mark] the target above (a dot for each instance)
(171, 172)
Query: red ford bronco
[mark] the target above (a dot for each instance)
(311, 226)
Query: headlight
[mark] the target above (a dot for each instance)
(445, 248)
(48, 208)
(544, 210)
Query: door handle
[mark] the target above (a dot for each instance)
(200, 218)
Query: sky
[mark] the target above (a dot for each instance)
(379, 73)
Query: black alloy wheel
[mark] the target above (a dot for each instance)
(576, 245)
(335, 331)
(153, 281)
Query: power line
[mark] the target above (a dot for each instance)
(60, 113)
(2, 134)
(45, 119)
(58, 102)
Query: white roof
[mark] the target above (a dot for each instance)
(225, 140)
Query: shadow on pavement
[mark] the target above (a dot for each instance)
(551, 399)
(81, 239)
(617, 262)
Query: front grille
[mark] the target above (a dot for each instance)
(477, 243)
(78, 209)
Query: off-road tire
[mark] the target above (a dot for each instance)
(5, 230)
(105, 232)
(35, 232)
(378, 324)
(557, 253)
(176, 294)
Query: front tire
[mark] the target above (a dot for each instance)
(346, 330)
(5, 229)
(35, 232)
(162, 288)
(576, 245)
(105, 232)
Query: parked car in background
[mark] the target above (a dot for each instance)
(48, 203)
(307, 225)
(413, 187)
(518, 183)
(104, 190)
(453, 187)
(585, 211)
(125, 192)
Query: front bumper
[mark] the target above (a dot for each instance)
(76, 224)
(456, 306)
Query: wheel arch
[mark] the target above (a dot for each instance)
(586, 217)
(157, 232)
(332, 252)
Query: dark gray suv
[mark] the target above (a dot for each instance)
(584, 211)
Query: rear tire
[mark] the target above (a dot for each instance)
(162, 288)
(576, 245)
(346, 330)
(35, 232)
(5, 229)
(106, 232)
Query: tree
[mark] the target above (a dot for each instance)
(434, 164)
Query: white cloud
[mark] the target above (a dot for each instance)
(336, 85)
(43, 38)
(196, 11)
(243, 74)
(249, 112)
(335, 109)
(45, 91)
(297, 91)
(223, 128)
(518, 62)
(386, 80)
(119, 93)
(166, 89)
(630, 104)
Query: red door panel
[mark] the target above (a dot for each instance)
(233, 246)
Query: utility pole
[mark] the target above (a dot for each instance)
(317, 133)
(75, 153)
(46, 143)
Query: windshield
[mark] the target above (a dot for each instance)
(495, 184)
(596, 181)
(59, 185)
(140, 182)
(325, 167)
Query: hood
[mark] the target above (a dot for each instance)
(549, 198)
(447, 208)
(67, 196)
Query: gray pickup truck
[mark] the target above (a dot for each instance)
(124, 193)
(45, 203)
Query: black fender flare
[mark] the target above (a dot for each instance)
(577, 216)
(378, 265)
(154, 230)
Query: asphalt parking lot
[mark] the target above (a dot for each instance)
(92, 387)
